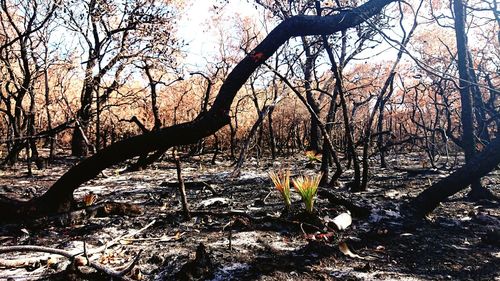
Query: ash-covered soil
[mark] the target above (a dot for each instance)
(244, 233)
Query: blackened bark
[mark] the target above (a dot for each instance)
(154, 104)
(314, 132)
(326, 160)
(60, 195)
(272, 139)
(79, 146)
(380, 137)
(339, 87)
(478, 166)
(466, 118)
(321, 126)
(367, 136)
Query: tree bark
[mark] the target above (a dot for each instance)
(477, 167)
(467, 110)
(182, 186)
(339, 87)
(314, 132)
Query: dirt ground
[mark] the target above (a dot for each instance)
(244, 235)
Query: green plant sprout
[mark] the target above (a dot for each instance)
(307, 186)
(312, 156)
(281, 181)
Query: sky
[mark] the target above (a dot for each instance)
(194, 28)
(202, 42)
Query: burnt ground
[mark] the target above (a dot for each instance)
(245, 237)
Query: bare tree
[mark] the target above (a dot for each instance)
(109, 43)
(20, 69)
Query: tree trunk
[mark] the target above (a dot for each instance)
(51, 139)
(467, 117)
(253, 130)
(272, 139)
(327, 154)
(314, 133)
(478, 166)
(182, 186)
(339, 87)
(79, 143)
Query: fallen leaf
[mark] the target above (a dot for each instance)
(346, 251)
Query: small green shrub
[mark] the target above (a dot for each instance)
(281, 181)
(307, 187)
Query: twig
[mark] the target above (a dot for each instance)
(85, 252)
(302, 228)
(265, 198)
(211, 188)
(123, 237)
(131, 265)
(157, 239)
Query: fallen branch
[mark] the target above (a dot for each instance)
(120, 275)
(78, 216)
(24, 262)
(84, 255)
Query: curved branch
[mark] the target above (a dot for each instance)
(60, 195)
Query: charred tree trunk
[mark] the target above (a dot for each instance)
(478, 166)
(383, 98)
(272, 139)
(321, 126)
(327, 154)
(339, 88)
(314, 133)
(216, 149)
(367, 135)
(380, 137)
(232, 141)
(51, 139)
(467, 110)
(79, 143)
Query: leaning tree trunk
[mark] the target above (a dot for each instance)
(478, 166)
(321, 126)
(467, 118)
(339, 87)
(59, 197)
